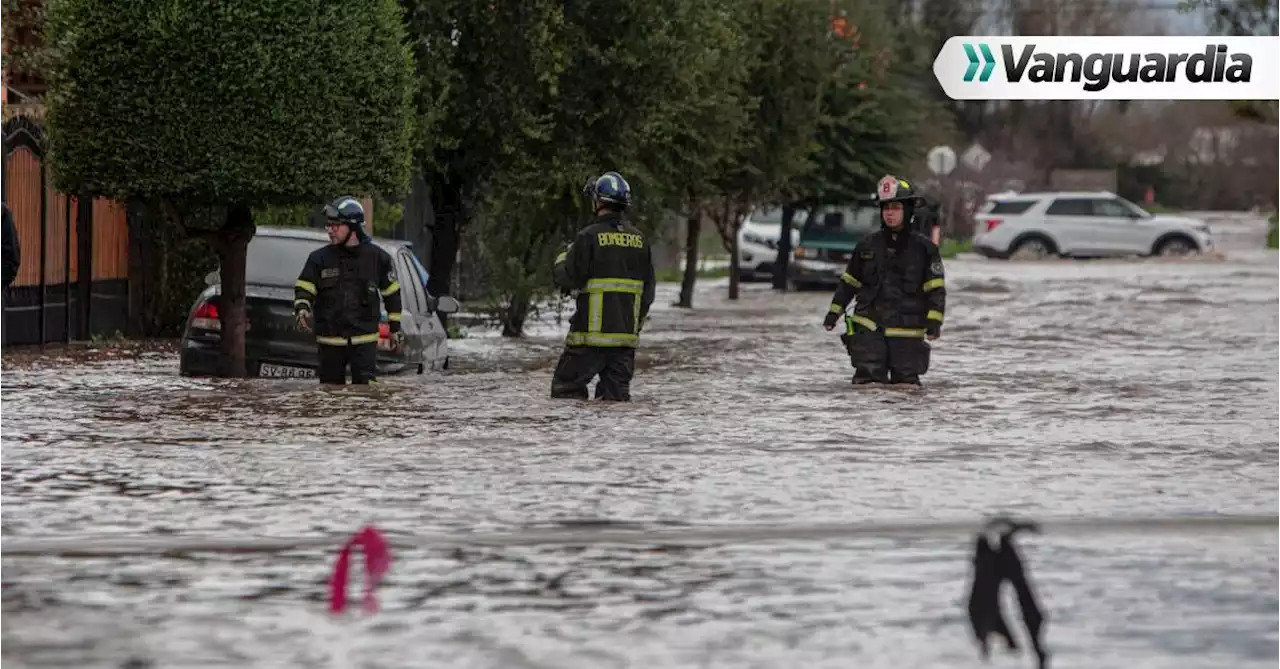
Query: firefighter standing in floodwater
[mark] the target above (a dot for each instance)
(345, 284)
(610, 266)
(897, 277)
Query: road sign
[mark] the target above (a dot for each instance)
(976, 156)
(941, 160)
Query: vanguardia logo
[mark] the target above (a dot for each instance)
(1098, 70)
(1083, 67)
(987, 58)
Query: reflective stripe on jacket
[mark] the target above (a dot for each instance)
(610, 266)
(898, 281)
(345, 288)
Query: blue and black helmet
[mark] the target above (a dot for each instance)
(345, 209)
(348, 210)
(610, 189)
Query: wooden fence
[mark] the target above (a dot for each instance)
(73, 282)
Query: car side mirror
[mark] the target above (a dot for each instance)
(212, 278)
(445, 305)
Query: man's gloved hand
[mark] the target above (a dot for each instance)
(397, 341)
(933, 332)
(303, 318)
(830, 321)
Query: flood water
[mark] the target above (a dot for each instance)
(1058, 389)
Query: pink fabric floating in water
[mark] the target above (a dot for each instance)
(377, 558)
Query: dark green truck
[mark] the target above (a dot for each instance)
(827, 239)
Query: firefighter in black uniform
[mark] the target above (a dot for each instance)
(896, 275)
(344, 285)
(610, 267)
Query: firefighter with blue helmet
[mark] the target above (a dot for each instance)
(896, 277)
(340, 294)
(609, 265)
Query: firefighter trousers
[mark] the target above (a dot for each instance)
(886, 355)
(362, 359)
(578, 365)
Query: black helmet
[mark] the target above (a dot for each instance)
(348, 210)
(893, 189)
(609, 188)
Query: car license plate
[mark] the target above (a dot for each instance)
(285, 372)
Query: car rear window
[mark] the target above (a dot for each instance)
(277, 261)
(1007, 206)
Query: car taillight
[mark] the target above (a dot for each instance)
(992, 223)
(384, 336)
(205, 317)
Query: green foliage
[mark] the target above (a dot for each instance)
(172, 271)
(386, 216)
(514, 265)
(288, 216)
(791, 62)
(952, 247)
(529, 99)
(482, 71)
(1273, 233)
(209, 103)
(25, 52)
(876, 111)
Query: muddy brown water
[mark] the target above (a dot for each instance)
(1059, 388)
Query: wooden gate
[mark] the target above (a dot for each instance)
(73, 281)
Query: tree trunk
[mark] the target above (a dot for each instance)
(141, 243)
(693, 230)
(517, 313)
(446, 235)
(233, 247)
(734, 276)
(782, 264)
(729, 227)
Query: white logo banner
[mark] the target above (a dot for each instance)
(1110, 68)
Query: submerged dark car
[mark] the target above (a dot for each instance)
(275, 347)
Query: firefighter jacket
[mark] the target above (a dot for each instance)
(899, 284)
(610, 266)
(343, 286)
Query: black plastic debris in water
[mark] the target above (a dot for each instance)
(992, 567)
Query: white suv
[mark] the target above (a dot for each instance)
(1081, 225)
(758, 242)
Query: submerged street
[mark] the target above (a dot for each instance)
(1110, 388)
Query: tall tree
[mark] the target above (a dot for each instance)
(877, 115)
(651, 92)
(791, 66)
(220, 107)
(482, 70)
